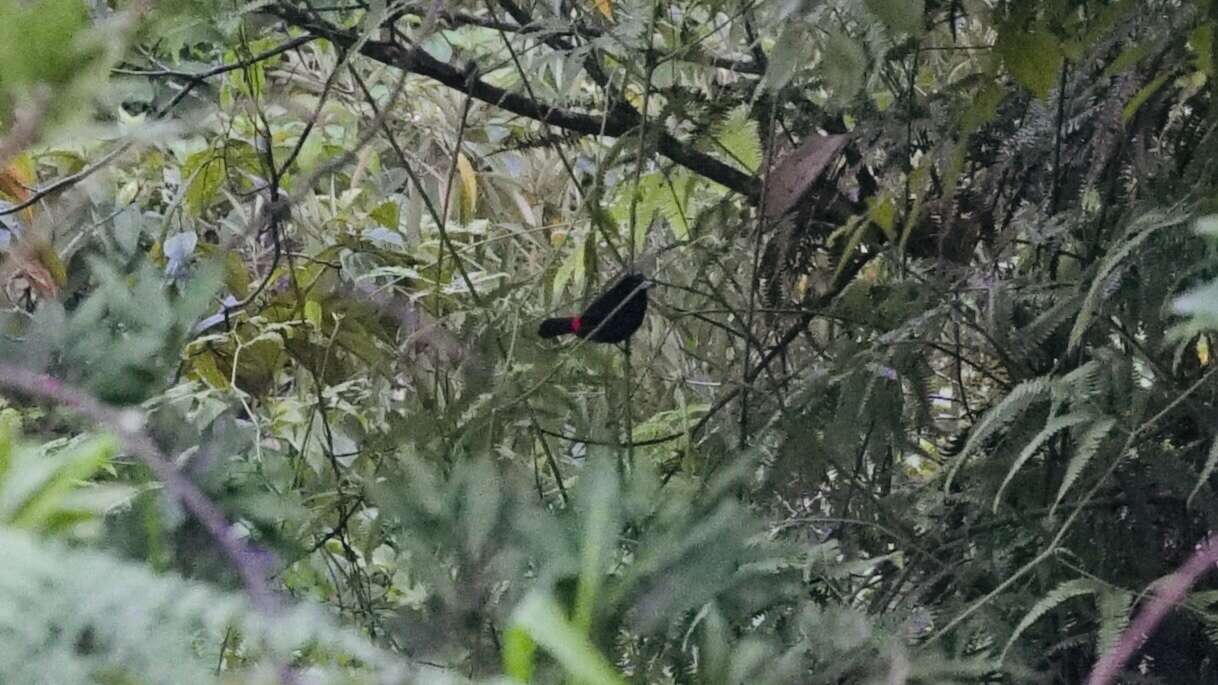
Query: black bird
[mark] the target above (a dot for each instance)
(611, 318)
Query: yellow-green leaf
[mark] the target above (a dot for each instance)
(1034, 58)
(205, 368)
(312, 312)
(1131, 107)
(469, 188)
(386, 214)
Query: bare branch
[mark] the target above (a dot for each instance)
(250, 563)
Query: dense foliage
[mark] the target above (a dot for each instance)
(924, 393)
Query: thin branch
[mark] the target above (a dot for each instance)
(219, 69)
(250, 563)
(614, 123)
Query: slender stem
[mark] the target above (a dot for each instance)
(251, 564)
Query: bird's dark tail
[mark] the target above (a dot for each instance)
(551, 328)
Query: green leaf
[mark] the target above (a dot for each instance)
(1010, 408)
(738, 137)
(312, 313)
(386, 214)
(673, 201)
(1053, 427)
(572, 268)
(1087, 445)
(1114, 605)
(205, 174)
(789, 54)
(982, 107)
(1034, 58)
(519, 654)
(900, 16)
(1063, 592)
(1201, 42)
(1131, 107)
(468, 189)
(1138, 232)
(600, 501)
(32, 494)
(542, 619)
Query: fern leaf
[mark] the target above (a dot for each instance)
(1114, 606)
(1010, 408)
(1081, 383)
(1108, 270)
(1000, 315)
(1059, 594)
(737, 137)
(1088, 445)
(1053, 427)
(1046, 324)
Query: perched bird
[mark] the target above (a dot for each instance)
(611, 318)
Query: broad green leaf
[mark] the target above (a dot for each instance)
(789, 54)
(1201, 42)
(1034, 58)
(386, 214)
(900, 16)
(600, 498)
(539, 616)
(312, 313)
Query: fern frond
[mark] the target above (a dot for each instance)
(1067, 590)
(1114, 607)
(1053, 427)
(1009, 409)
(1046, 324)
(1088, 445)
(1110, 269)
(736, 138)
(1080, 384)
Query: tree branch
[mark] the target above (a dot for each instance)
(615, 123)
(250, 563)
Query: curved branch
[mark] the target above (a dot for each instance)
(615, 123)
(250, 563)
